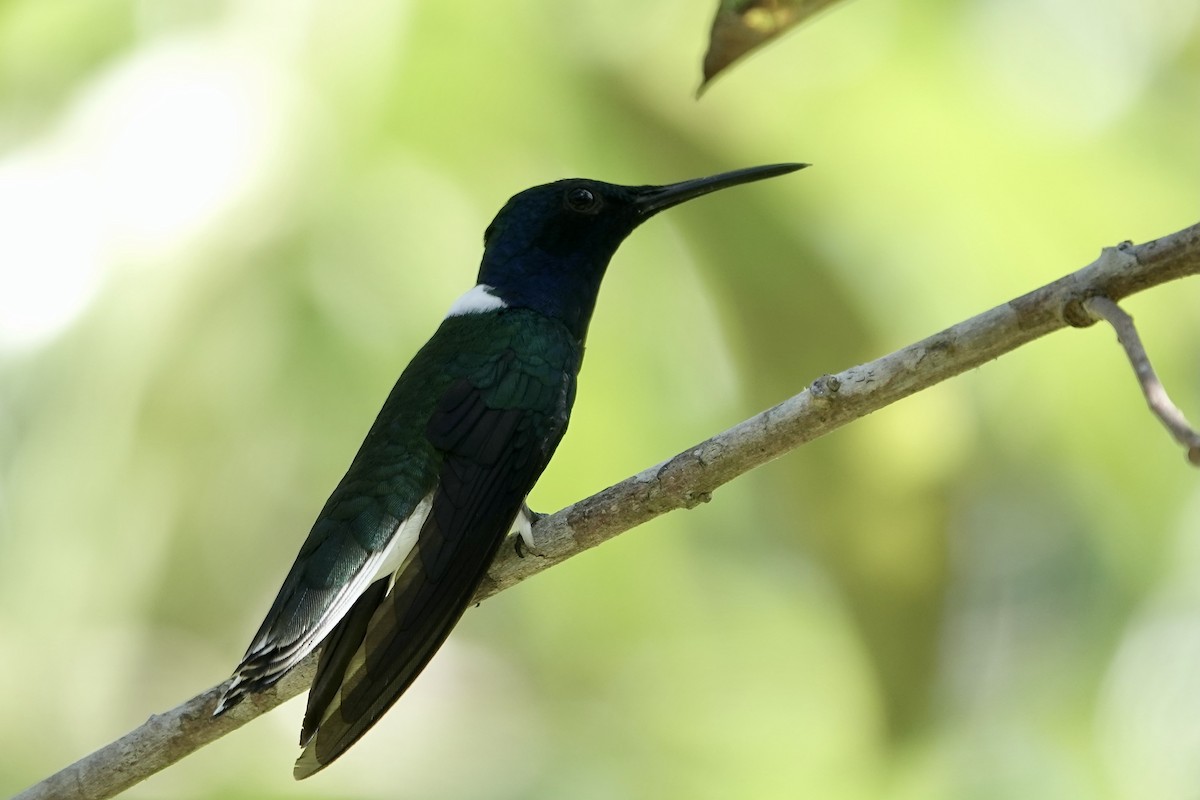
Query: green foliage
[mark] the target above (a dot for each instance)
(237, 222)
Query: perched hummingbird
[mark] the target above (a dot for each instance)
(407, 536)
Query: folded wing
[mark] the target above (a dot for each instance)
(363, 533)
(491, 458)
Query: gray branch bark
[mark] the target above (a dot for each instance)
(686, 480)
(1155, 393)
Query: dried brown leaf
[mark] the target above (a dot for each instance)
(741, 26)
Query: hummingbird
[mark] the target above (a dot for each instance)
(441, 479)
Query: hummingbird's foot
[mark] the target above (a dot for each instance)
(523, 527)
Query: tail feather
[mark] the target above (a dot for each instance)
(337, 652)
(404, 633)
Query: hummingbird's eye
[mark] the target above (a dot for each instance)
(582, 200)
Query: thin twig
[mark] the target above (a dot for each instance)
(1160, 404)
(686, 480)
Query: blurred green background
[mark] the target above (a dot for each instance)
(226, 227)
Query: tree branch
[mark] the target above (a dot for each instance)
(1160, 403)
(686, 480)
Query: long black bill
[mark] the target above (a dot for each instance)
(652, 199)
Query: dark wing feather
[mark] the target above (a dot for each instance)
(339, 648)
(348, 545)
(491, 458)
(336, 564)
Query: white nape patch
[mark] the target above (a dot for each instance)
(476, 301)
(524, 526)
(403, 540)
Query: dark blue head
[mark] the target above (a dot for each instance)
(549, 246)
